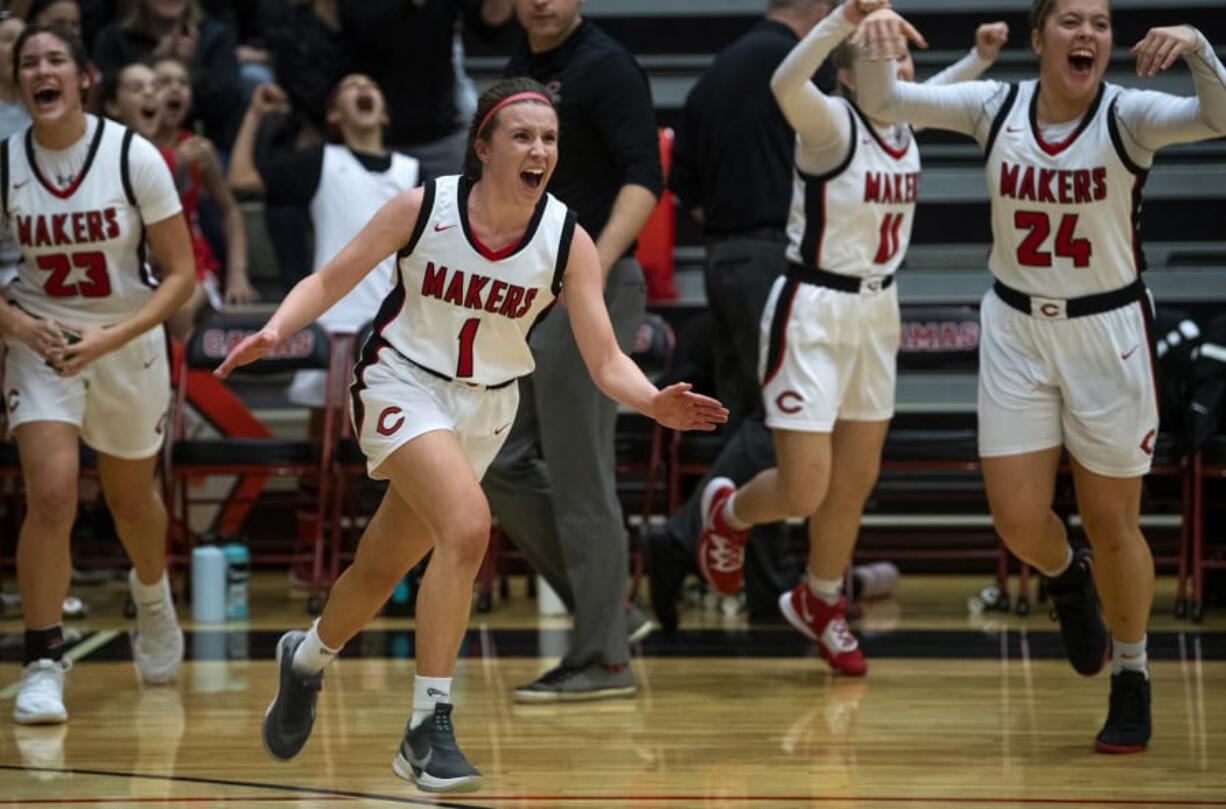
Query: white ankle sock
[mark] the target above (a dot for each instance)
(148, 595)
(827, 590)
(730, 515)
(428, 691)
(1068, 560)
(311, 655)
(1130, 656)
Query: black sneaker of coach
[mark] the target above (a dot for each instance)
(1128, 727)
(290, 717)
(430, 757)
(1075, 604)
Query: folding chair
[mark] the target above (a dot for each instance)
(253, 459)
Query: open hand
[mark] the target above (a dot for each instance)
(1161, 47)
(854, 11)
(679, 408)
(990, 38)
(883, 36)
(252, 347)
(83, 345)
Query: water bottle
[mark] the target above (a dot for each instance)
(238, 571)
(208, 584)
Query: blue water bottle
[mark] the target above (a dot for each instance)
(238, 571)
(208, 584)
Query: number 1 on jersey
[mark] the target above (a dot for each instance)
(468, 335)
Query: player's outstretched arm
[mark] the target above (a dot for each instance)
(386, 233)
(989, 39)
(677, 406)
(1151, 120)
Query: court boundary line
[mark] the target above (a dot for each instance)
(747, 799)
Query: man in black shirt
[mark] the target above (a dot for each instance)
(733, 167)
(406, 46)
(562, 511)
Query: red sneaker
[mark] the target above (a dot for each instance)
(721, 549)
(826, 626)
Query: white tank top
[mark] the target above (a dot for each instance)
(856, 219)
(349, 195)
(83, 245)
(461, 310)
(1064, 216)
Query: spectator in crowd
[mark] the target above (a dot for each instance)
(179, 28)
(732, 169)
(196, 167)
(342, 185)
(561, 510)
(89, 15)
(245, 19)
(407, 48)
(303, 38)
(13, 119)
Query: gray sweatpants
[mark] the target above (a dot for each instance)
(553, 485)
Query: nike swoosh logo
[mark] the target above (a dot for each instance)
(149, 363)
(498, 430)
(1130, 352)
(1200, 408)
(434, 692)
(440, 228)
(421, 763)
(20, 184)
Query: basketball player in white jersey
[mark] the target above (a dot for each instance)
(830, 332)
(1065, 356)
(480, 258)
(84, 198)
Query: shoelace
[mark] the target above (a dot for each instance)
(726, 555)
(841, 633)
(557, 675)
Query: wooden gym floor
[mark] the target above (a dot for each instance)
(957, 710)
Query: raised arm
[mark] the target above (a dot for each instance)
(989, 39)
(614, 373)
(1151, 120)
(967, 107)
(820, 121)
(384, 235)
(238, 282)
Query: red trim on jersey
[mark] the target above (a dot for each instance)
(897, 154)
(76, 183)
(1054, 149)
(493, 255)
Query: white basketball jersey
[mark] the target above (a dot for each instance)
(856, 219)
(1064, 216)
(461, 310)
(349, 195)
(83, 247)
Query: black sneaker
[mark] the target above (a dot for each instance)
(566, 684)
(430, 757)
(665, 574)
(290, 717)
(1075, 604)
(1127, 728)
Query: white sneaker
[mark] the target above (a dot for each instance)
(40, 700)
(157, 641)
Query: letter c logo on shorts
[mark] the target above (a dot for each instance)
(14, 399)
(1049, 309)
(783, 401)
(1147, 443)
(387, 427)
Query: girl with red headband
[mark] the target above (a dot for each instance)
(480, 258)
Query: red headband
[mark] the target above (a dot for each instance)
(511, 99)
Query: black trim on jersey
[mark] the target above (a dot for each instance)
(388, 311)
(559, 267)
(894, 154)
(4, 177)
(540, 316)
(815, 199)
(778, 332)
(463, 187)
(423, 218)
(76, 183)
(1086, 120)
(999, 120)
(125, 170)
(1141, 174)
